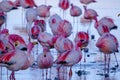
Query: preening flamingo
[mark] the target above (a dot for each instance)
(35, 30)
(108, 44)
(25, 3)
(45, 60)
(87, 1)
(41, 23)
(83, 38)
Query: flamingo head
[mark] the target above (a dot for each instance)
(49, 7)
(5, 31)
(72, 5)
(45, 50)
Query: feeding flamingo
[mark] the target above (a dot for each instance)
(108, 44)
(87, 1)
(45, 60)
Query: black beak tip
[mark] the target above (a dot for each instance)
(24, 49)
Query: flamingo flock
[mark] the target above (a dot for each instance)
(16, 52)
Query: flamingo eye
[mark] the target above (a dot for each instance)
(16, 43)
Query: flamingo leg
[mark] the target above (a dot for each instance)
(50, 74)
(12, 76)
(46, 73)
(116, 60)
(108, 63)
(105, 63)
(70, 73)
(1, 73)
(42, 74)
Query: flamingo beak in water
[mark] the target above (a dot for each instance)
(14, 8)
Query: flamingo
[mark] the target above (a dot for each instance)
(108, 22)
(66, 58)
(90, 13)
(75, 11)
(7, 6)
(108, 44)
(63, 44)
(53, 23)
(2, 48)
(87, 1)
(83, 38)
(41, 23)
(44, 38)
(31, 16)
(64, 28)
(25, 3)
(64, 4)
(45, 60)
(2, 18)
(35, 30)
(43, 11)
(11, 60)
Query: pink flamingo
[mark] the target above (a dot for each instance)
(83, 38)
(108, 22)
(35, 30)
(45, 60)
(2, 19)
(87, 1)
(41, 23)
(53, 23)
(43, 11)
(66, 58)
(7, 6)
(75, 11)
(64, 4)
(25, 3)
(64, 28)
(31, 16)
(11, 61)
(108, 44)
(63, 44)
(90, 13)
(44, 38)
